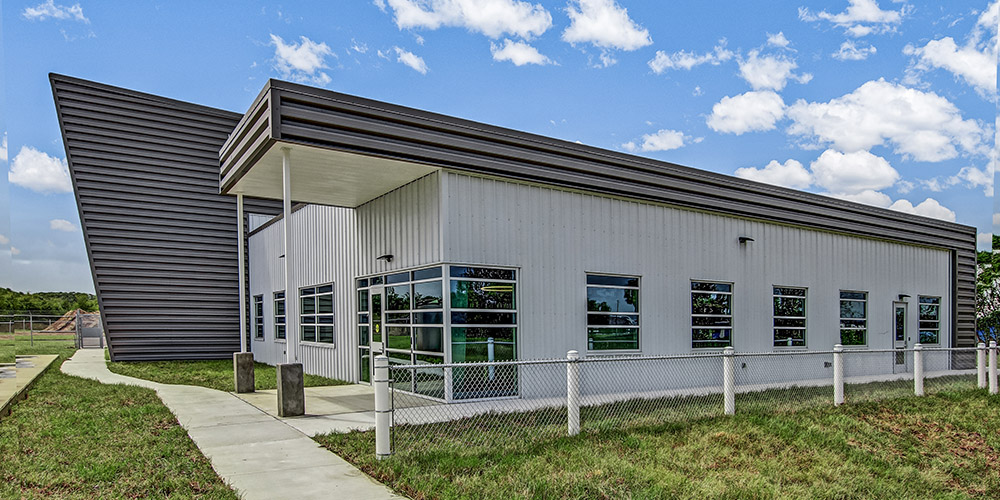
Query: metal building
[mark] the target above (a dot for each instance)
(435, 239)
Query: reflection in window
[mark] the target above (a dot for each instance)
(279, 315)
(711, 314)
(853, 318)
(612, 313)
(258, 317)
(484, 317)
(930, 320)
(316, 314)
(789, 317)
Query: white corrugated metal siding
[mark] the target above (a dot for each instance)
(555, 237)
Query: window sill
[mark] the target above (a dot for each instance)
(791, 348)
(317, 344)
(612, 354)
(280, 341)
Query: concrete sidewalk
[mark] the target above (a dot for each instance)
(258, 455)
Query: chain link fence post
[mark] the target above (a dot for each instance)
(382, 410)
(918, 369)
(993, 367)
(573, 392)
(729, 380)
(981, 365)
(838, 375)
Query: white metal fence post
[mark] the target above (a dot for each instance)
(729, 379)
(838, 375)
(981, 365)
(382, 408)
(993, 367)
(573, 392)
(918, 369)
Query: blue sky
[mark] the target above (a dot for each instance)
(890, 103)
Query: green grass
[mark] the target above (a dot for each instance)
(42, 344)
(944, 445)
(214, 374)
(78, 438)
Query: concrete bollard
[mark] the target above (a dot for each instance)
(918, 369)
(993, 367)
(981, 365)
(838, 375)
(383, 410)
(573, 392)
(243, 372)
(729, 380)
(291, 390)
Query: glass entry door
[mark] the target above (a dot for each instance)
(901, 338)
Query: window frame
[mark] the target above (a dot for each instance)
(283, 324)
(804, 317)
(921, 320)
(316, 315)
(841, 319)
(258, 317)
(732, 314)
(637, 314)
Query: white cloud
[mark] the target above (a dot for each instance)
(687, 60)
(921, 125)
(769, 71)
(301, 61)
(4, 240)
(996, 219)
(62, 225)
(3, 148)
(15, 251)
(662, 140)
(928, 208)
(39, 172)
(697, 91)
(359, 47)
(49, 9)
(985, 239)
(862, 17)
(604, 24)
(493, 18)
(777, 40)
(868, 197)
(970, 176)
(412, 60)
(849, 51)
(519, 53)
(752, 111)
(791, 174)
(975, 62)
(852, 173)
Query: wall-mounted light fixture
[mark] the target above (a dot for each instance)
(387, 257)
(745, 239)
(903, 297)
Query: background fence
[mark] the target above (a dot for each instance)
(85, 329)
(515, 402)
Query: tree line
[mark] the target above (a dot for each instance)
(14, 302)
(988, 293)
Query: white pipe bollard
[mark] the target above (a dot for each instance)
(573, 392)
(993, 367)
(838, 375)
(918, 369)
(729, 379)
(981, 365)
(382, 408)
(490, 356)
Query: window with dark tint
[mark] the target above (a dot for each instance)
(612, 313)
(711, 314)
(853, 318)
(258, 317)
(316, 314)
(930, 320)
(789, 316)
(279, 315)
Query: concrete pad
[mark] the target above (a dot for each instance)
(26, 371)
(256, 453)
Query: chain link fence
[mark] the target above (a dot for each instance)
(520, 403)
(84, 329)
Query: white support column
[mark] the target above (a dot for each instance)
(241, 250)
(383, 410)
(729, 380)
(573, 392)
(838, 375)
(981, 365)
(291, 293)
(918, 369)
(993, 367)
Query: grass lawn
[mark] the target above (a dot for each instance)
(944, 445)
(78, 438)
(42, 344)
(214, 374)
